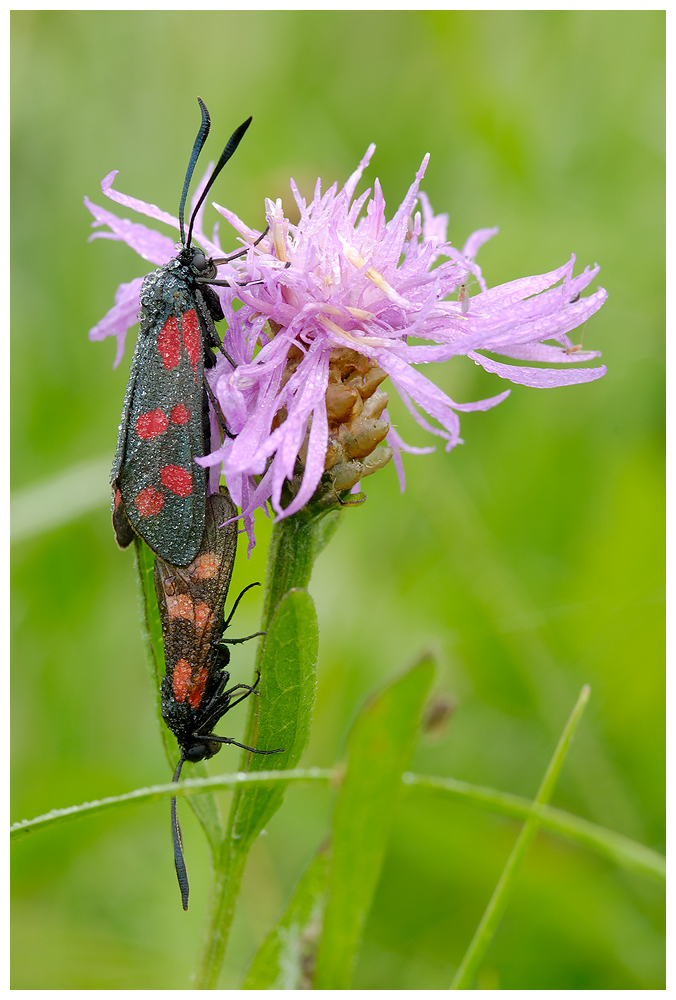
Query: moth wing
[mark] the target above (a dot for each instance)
(211, 570)
(161, 432)
(191, 599)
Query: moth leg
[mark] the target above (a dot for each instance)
(350, 503)
(239, 598)
(239, 253)
(235, 642)
(217, 410)
(124, 532)
(219, 705)
(220, 702)
(240, 284)
(249, 688)
(249, 691)
(227, 739)
(207, 319)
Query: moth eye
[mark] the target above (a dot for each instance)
(199, 260)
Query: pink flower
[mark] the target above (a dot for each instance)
(335, 304)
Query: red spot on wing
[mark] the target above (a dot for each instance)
(118, 501)
(197, 686)
(180, 415)
(180, 680)
(188, 685)
(168, 344)
(192, 338)
(150, 425)
(205, 566)
(177, 480)
(149, 501)
(203, 616)
(180, 606)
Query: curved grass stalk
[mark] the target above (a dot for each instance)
(188, 787)
(623, 851)
(500, 898)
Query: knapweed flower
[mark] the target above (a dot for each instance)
(329, 308)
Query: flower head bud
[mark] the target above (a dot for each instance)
(332, 306)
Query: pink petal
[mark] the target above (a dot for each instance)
(547, 352)
(121, 317)
(152, 211)
(354, 179)
(476, 240)
(150, 245)
(539, 378)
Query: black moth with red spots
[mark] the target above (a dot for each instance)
(159, 492)
(195, 695)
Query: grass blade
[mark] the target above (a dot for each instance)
(51, 503)
(616, 847)
(496, 907)
(380, 746)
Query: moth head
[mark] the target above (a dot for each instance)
(200, 264)
(201, 750)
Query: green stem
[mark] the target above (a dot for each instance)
(496, 907)
(294, 545)
(290, 561)
(228, 874)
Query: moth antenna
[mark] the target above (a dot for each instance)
(196, 150)
(234, 607)
(179, 860)
(230, 147)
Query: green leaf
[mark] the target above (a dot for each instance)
(281, 961)
(205, 807)
(281, 718)
(288, 677)
(380, 747)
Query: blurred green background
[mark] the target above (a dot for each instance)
(530, 558)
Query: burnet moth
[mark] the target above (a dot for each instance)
(195, 692)
(158, 490)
